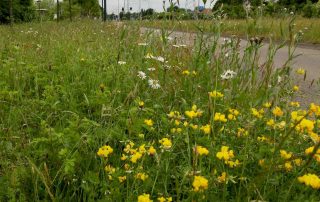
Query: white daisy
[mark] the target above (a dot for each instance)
(142, 44)
(142, 75)
(229, 74)
(122, 62)
(154, 84)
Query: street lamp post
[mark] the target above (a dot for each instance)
(39, 6)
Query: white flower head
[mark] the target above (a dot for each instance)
(154, 84)
(142, 44)
(159, 58)
(122, 62)
(142, 75)
(229, 74)
(151, 69)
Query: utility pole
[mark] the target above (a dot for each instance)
(70, 10)
(58, 10)
(11, 13)
(105, 11)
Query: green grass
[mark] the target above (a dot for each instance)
(69, 89)
(273, 28)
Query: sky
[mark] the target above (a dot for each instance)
(114, 7)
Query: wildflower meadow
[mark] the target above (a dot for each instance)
(93, 111)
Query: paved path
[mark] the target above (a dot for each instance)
(308, 60)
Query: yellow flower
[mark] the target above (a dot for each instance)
(201, 150)
(142, 149)
(242, 132)
(225, 153)
(285, 155)
(152, 151)
(295, 88)
(191, 114)
(261, 162)
(231, 117)
(123, 157)
(216, 94)
(105, 151)
(298, 162)
(148, 122)
(141, 176)
(163, 199)
(144, 198)
(315, 109)
(135, 157)
(194, 127)
(234, 112)
(109, 169)
(174, 114)
(310, 180)
(256, 113)
(294, 104)
(141, 104)
(186, 72)
(166, 143)
(199, 184)
(270, 123)
(206, 129)
(122, 178)
(220, 117)
(300, 71)
(222, 178)
(277, 111)
(288, 166)
(233, 164)
(267, 105)
(310, 151)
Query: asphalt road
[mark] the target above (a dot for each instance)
(308, 59)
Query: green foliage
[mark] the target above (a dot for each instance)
(22, 10)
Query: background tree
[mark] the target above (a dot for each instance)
(22, 10)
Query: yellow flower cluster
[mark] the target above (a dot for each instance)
(206, 129)
(122, 178)
(227, 155)
(222, 178)
(165, 143)
(194, 112)
(315, 109)
(233, 113)
(215, 94)
(141, 176)
(200, 184)
(257, 113)
(163, 199)
(285, 155)
(311, 180)
(152, 151)
(144, 198)
(316, 156)
(277, 111)
(105, 151)
(220, 117)
(242, 132)
(148, 122)
(201, 150)
(187, 73)
(174, 115)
